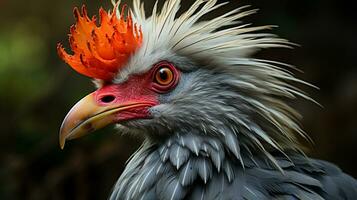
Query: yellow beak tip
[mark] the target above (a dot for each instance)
(62, 143)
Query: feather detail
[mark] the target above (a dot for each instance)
(101, 51)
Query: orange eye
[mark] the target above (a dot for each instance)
(164, 76)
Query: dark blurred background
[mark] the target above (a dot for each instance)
(37, 89)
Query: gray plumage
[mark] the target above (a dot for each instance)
(226, 131)
(200, 178)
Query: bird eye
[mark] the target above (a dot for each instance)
(165, 77)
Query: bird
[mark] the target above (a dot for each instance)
(217, 122)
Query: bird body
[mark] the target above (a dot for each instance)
(215, 120)
(176, 171)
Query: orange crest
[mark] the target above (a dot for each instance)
(100, 51)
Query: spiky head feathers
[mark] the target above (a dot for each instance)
(100, 51)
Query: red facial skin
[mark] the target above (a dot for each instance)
(138, 89)
(129, 92)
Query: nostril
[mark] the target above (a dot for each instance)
(107, 99)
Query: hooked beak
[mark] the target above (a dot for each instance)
(88, 115)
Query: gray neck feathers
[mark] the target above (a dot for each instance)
(175, 165)
(221, 106)
(187, 161)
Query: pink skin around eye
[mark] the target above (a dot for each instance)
(165, 88)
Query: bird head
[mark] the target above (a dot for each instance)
(167, 74)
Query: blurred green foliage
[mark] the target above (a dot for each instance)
(37, 89)
(23, 56)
